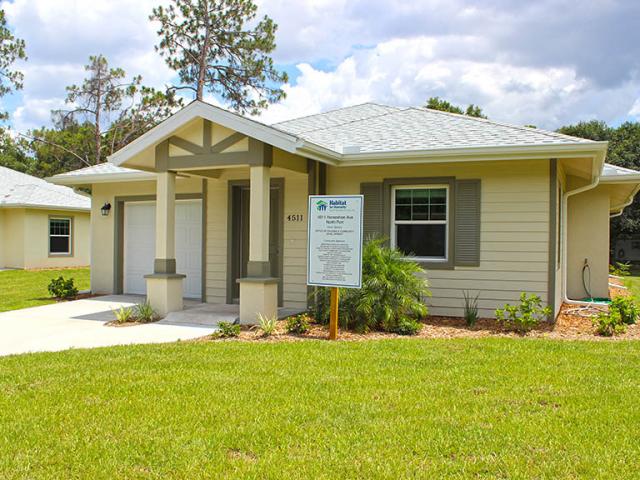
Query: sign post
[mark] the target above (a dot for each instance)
(334, 256)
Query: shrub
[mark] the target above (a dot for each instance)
(609, 324)
(228, 330)
(406, 326)
(626, 307)
(470, 308)
(525, 316)
(267, 324)
(145, 313)
(620, 269)
(62, 289)
(298, 324)
(391, 289)
(123, 315)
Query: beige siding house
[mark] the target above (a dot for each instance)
(41, 225)
(212, 205)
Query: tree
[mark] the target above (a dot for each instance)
(11, 49)
(99, 96)
(13, 156)
(437, 103)
(68, 145)
(210, 45)
(116, 110)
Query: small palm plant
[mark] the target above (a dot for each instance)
(392, 293)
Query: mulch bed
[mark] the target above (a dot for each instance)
(573, 323)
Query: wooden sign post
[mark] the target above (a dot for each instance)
(333, 319)
(334, 249)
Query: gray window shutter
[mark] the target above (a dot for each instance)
(467, 223)
(373, 208)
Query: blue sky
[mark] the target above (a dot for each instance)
(546, 63)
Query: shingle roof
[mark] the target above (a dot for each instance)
(20, 189)
(376, 128)
(101, 168)
(615, 171)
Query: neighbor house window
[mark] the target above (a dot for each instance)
(419, 221)
(60, 236)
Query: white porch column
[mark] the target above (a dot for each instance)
(260, 180)
(164, 285)
(258, 291)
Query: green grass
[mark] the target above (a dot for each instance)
(464, 408)
(633, 284)
(28, 288)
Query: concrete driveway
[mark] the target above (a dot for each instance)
(81, 324)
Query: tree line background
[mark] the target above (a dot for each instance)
(214, 46)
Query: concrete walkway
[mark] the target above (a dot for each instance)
(80, 324)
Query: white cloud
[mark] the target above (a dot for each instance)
(522, 62)
(409, 71)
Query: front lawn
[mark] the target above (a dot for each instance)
(633, 284)
(28, 288)
(415, 408)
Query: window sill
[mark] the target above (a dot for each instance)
(60, 255)
(432, 264)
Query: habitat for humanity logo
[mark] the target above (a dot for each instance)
(321, 205)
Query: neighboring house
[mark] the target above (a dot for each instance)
(42, 225)
(222, 199)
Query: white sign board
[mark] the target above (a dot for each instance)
(334, 257)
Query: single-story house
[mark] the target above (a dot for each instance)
(42, 225)
(212, 205)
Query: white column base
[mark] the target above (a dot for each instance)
(164, 292)
(258, 296)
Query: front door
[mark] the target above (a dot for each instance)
(240, 225)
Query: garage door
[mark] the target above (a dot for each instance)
(139, 245)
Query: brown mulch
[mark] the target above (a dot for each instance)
(573, 323)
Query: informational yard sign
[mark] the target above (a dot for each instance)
(335, 241)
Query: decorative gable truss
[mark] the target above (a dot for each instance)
(212, 156)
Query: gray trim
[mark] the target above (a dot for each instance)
(203, 284)
(277, 183)
(553, 207)
(259, 154)
(227, 142)
(322, 178)
(258, 269)
(186, 145)
(207, 132)
(165, 275)
(258, 280)
(164, 265)
(72, 236)
(312, 189)
(162, 156)
(372, 210)
(118, 231)
(450, 181)
(467, 223)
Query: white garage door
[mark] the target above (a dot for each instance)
(139, 245)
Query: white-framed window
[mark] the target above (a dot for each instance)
(420, 221)
(59, 236)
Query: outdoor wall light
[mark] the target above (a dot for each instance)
(106, 208)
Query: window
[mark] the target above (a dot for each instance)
(419, 221)
(60, 236)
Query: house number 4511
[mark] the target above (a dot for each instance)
(295, 218)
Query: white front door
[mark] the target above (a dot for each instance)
(139, 245)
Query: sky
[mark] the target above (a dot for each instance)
(547, 62)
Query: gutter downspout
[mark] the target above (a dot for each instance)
(565, 197)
